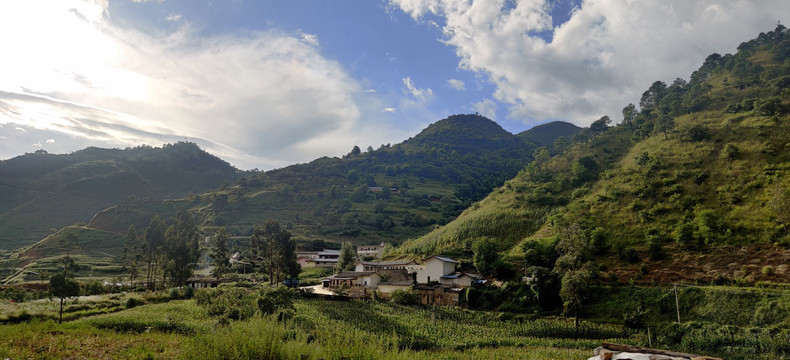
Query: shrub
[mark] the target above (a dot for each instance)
(405, 297)
(635, 319)
(174, 294)
(189, 291)
(768, 270)
(272, 300)
(132, 302)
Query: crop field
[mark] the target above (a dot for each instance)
(161, 325)
(315, 328)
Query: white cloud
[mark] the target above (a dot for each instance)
(456, 84)
(389, 110)
(604, 57)
(21, 129)
(262, 99)
(310, 39)
(414, 91)
(173, 18)
(487, 108)
(51, 141)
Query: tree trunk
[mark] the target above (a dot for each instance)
(576, 319)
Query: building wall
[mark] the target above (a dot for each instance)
(433, 269)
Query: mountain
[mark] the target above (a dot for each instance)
(546, 134)
(390, 194)
(41, 191)
(701, 167)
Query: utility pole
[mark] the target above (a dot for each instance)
(677, 304)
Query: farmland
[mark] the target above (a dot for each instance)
(161, 325)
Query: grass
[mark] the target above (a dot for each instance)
(747, 326)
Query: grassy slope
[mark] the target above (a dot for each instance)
(699, 182)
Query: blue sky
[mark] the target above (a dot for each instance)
(264, 84)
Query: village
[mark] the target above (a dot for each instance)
(435, 279)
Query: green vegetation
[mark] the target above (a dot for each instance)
(697, 166)
(41, 191)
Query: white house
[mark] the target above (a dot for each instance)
(374, 250)
(434, 267)
(408, 265)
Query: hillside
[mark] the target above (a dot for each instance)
(389, 194)
(41, 191)
(702, 165)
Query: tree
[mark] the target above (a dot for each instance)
(347, 258)
(63, 286)
(652, 96)
(220, 253)
(560, 145)
(629, 114)
(601, 125)
(485, 256)
(272, 245)
(576, 268)
(153, 241)
(181, 248)
(356, 151)
(664, 124)
(132, 254)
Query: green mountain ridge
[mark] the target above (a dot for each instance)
(702, 164)
(41, 191)
(389, 194)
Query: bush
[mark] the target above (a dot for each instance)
(405, 297)
(189, 291)
(132, 302)
(635, 319)
(768, 270)
(174, 294)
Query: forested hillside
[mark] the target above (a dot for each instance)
(388, 194)
(699, 165)
(41, 191)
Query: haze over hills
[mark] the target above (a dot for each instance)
(703, 164)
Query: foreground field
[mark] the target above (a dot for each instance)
(314, 329)
(324, 329)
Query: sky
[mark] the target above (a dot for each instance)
(265, 84)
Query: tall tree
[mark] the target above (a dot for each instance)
(182, 248)
(220, 252)
(271, 244)
(132, 253)
(153, 243)
(601, 125)
(664, 124)
(348, 256)
(576, 268)
(485, 256)
(629, 114)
